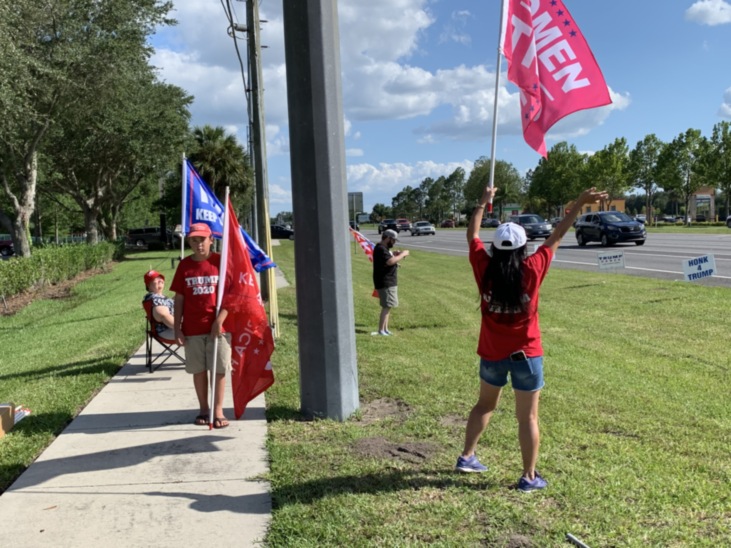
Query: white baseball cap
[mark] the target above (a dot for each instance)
(509, 236)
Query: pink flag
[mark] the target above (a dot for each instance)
(365, 244)
(252, 342)
(551, 63)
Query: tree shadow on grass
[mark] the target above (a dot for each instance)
(371, 484)
(105, 364)
(283, 413)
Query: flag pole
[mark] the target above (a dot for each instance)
(184, 206)
(495, 102)
(219, 299)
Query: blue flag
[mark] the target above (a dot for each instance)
(200, 205)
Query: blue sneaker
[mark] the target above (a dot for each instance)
(526, 486)
(470, 464)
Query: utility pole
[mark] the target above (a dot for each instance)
(268, 283)
(325, 313)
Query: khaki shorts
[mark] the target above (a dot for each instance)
(389, 297)
(199, 354)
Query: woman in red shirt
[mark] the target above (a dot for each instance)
(510, 338)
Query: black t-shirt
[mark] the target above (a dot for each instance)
(383, 274)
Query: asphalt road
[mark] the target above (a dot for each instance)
(661, 257)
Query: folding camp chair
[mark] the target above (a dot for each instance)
(169, 347)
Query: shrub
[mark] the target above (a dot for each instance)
(51, 265)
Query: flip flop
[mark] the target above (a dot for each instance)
(201, 420)
(220, 422)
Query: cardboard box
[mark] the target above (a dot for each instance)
(7, 418)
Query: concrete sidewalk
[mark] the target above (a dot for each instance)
(132, 470)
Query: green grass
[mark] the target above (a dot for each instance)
(56, 354)
(634, 416)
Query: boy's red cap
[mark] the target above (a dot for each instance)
(152, 275)
(199, 229)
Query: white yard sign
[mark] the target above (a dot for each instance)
(699, 268)
(610, 259)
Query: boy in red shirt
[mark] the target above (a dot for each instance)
(196, 324)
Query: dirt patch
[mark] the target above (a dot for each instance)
(519, 541)
(453, 421)
(61, 290)
(384, 408)
(381, 448)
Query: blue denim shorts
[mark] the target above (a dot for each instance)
(525, 374)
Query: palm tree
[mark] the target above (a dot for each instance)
(221, 161)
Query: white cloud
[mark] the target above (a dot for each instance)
(385, 76)
(387, 179)
(453, 31)
(725, 110)
(709, 12)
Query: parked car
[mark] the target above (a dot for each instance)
(487, 222)
(423, 227)
(144, 236)
(555, 220)
(641, 218)
(728, 221)
(403, 225)
(609, 228)
(6, 245)
(354, 225)
(447, 223)
(535, 226)
(700, 218)
(279, 232)
(387, 224)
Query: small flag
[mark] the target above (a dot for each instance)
(365, 244)
(551, 63)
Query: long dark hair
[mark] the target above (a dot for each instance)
(503, 279)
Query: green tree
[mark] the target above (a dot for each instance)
(52, 54)
(453, 191)
(608, 169)
(643, 168)
(221, 161)
(506, 178)
(719, 160)
(126, 130)
(380, 212)
(680, 165)
(557, 179)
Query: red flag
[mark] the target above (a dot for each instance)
(551, 63)
(365, 244)
(252, 342)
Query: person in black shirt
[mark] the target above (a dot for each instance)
(385, 278)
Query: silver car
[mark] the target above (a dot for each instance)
(423, 227)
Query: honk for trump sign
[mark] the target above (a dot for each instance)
(699, 268)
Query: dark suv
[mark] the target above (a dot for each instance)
(144, 236)
(609, 227)
(535, 226)
(6, 245)
(385, 224)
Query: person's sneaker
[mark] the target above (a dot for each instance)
(387, 332)
(381, 333)
(470, 464)
(527, 485)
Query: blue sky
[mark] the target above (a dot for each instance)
(419, 79)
